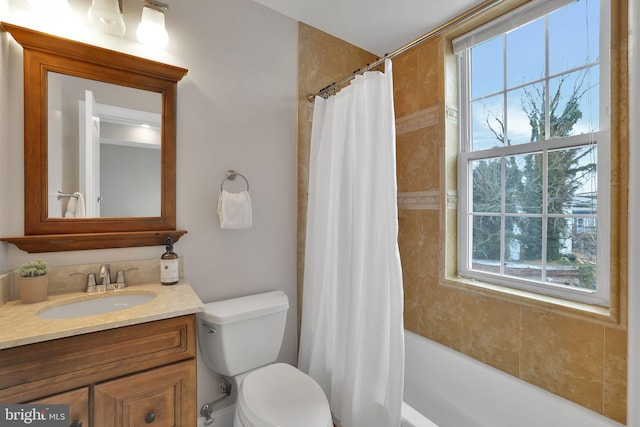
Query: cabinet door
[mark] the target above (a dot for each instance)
(162, 397)
(78, 401)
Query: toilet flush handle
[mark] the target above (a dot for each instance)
(210, 329)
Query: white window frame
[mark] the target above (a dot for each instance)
(462, 48)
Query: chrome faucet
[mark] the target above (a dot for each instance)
(105, 277)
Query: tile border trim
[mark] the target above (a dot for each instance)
(419, 200)
(418, 120)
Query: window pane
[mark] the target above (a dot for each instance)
(533, 120)
(526, 53)
(487, 123)
(523, 184)
(584, 239)
(523, 248)
(574, 36)
(486, 185)
(486, 243)
(558, 238)
(487, 68)
(572, 181)
(574, 103)
(571, 252)
(527, 235)
(512, 240)
(525, 114)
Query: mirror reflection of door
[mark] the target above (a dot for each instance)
(104, 141)
(89, 158)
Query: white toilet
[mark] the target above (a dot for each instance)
(240, 338)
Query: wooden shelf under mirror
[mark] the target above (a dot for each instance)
(84, 241)
(74, 93)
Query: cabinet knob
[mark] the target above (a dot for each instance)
(151, 417)
(76, 423)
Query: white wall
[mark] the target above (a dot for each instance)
(236, 110)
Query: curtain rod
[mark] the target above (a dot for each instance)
(332, 89)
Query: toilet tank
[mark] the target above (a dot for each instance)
(241, 334)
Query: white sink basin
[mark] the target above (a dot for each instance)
(99, 305)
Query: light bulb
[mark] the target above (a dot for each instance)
(151, 29)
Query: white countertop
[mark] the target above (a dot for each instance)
(20, 324)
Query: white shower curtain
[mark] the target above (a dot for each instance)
(352, 337)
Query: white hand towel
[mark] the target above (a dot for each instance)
(234, 210)
(71, 208)
(80, 206)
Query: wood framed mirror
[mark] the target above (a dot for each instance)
(59, 73)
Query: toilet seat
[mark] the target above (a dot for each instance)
(280, 395)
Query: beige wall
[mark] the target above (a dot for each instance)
(581, 358)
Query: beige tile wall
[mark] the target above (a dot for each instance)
(581, 359)
(577, 357)
(322, 59)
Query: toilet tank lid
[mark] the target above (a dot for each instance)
(243, 308)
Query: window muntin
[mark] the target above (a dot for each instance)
(534, 146)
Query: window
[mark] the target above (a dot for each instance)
(534, 150)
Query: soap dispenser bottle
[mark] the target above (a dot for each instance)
(169, 265)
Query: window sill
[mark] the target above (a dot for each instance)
(593, 313)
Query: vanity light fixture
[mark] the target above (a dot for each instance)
(107, 14)
(151, 29)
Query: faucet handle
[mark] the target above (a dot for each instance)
(105, 274)
(91, 281)
(120, 280)
(120, 276)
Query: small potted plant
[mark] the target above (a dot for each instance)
(33, 281)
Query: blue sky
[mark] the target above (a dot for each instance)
(573, 42)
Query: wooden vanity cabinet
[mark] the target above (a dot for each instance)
(78, 401)
(130, 376)
(158, 397)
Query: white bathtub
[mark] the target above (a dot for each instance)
(413, 418)
(454, 390)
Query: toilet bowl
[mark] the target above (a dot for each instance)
(281, 395)
(240, 338)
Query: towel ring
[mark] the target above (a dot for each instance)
(231, 175)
